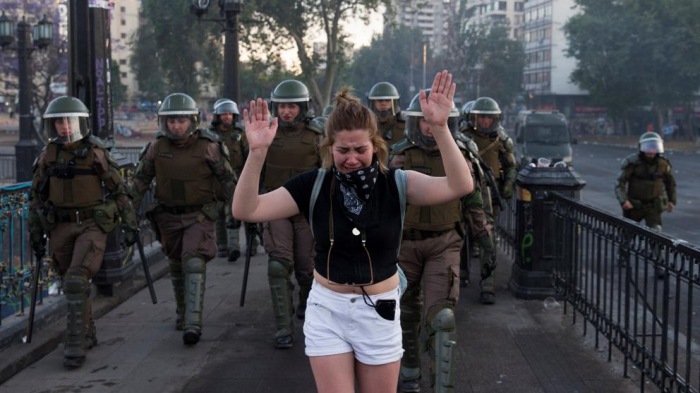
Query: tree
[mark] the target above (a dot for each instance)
(656, 63)
(483, 58)
(387, 59)
(118, 88)
(258, 79)
(273, 25)
(173, 52)
(48, 65)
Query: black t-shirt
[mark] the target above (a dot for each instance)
(349, 263)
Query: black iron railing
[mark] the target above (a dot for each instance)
(505, 226)
(635, 287)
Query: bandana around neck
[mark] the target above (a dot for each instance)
(356, 188)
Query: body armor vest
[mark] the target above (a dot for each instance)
(489, 150)
(647, 181)
(183, 177)
(429, 218)
(293, 152)
(392, 130)
(233, 140)
(73, 181)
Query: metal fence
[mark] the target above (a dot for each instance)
(17, 261)
(636, 288)
(8, 170)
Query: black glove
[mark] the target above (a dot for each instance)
(131, 235)
(38, 243)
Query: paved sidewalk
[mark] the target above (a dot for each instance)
(513, 346)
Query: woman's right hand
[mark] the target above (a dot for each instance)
(260, 132)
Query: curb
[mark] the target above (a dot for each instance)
(49, 327)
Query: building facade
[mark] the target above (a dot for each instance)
(430, 16)
(497, 11)
(125, 22)
(546, 77)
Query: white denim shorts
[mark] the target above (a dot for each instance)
(338, 323)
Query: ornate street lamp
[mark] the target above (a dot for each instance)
(28, 146)
(228, 11)
(43, 33)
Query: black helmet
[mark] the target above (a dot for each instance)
(178, 105)
(295, 92)
(413, 115)
(465, 112)
(384, 91)
(487, 107)
(66, 120)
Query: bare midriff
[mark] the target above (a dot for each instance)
(374, 289)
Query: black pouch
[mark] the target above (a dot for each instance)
(386, 308)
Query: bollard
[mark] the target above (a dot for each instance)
(531, 274)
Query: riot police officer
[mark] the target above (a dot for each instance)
(432, 239)
(68, 203)
(496, 149)
(383, 100)
(185, 161)
(226, 126)
(646, 187)
(289, 242)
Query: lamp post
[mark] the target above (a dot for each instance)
(228, 12)
(28, 147)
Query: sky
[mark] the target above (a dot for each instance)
(360, 35)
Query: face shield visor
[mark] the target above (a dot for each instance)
(485, 123)
(66, 127)
(652, 146)
(177, 126)
(414, 133)
(387, 110)
(224, 108)
(303, 105)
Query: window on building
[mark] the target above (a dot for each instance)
(548, 32)
(124, 35)
(518, 6)
(547, 55)
(122, 61)
(502, 5)
(123, 22)
(122, 9)
(124, 75)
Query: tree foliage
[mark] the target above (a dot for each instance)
(173, 52)
(118, 88)
(483, 57)
(636, 52)
(388, 58)
(273, 25)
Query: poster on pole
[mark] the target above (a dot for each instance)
(105, 4)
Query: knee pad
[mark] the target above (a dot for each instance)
(441, 318)
(195, 265)
(75, 283)
(279, 268)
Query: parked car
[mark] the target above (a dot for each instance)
(542, 134)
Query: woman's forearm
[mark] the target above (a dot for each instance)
(245, 198)
(457, 171)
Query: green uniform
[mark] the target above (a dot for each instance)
(67, 202)
(648, 183)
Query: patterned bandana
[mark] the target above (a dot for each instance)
(356, 188)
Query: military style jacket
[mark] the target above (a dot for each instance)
(393, 129)
(79, 177)
(642, 180)
(294, 150)
(185, 172)
(237, 146)
(437, 218)
(497, 151)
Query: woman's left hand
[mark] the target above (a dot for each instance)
(436, 107)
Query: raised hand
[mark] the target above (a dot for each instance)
(260, 132)
(436, 107)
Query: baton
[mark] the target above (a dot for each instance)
(250, 235)
(146, 270)
(35, 292)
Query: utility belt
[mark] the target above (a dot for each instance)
(178, 210)
(419, 234)
(660, 203)
(75, 216)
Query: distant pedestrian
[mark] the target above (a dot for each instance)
(650, 127)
